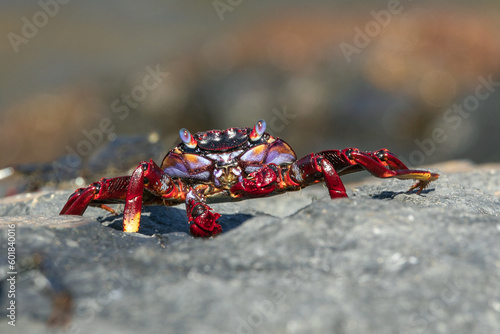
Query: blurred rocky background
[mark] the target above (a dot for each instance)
(420, 78)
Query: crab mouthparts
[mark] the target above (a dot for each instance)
(227, 176)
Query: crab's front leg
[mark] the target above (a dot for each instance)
(203, 221)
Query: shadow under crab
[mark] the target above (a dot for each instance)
(164, 220)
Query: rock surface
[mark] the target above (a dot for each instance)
(381, 261)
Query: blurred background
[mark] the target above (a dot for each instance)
(86, 84)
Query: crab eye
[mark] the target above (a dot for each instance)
(187, 138)
(258, 130)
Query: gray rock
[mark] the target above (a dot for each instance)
(381, 261)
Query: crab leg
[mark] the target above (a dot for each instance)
(314, 167)
(160, 187)
(133, 200)
(381, 164)
(327, 166)
(104, 189)
(308, 170)
(152, 178)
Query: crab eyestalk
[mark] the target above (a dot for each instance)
(187, 138)
(258, 130)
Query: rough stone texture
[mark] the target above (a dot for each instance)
(381, 261)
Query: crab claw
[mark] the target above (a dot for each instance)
(259, 183)
(203, 221)
(205, 225)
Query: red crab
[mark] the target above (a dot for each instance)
(228, 165)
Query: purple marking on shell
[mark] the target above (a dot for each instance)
(202, 176)
(217, 174)
(251, 169)
(278, 158)
(175, 172)
(236, 171)
(180, 171)
(196, 162)
(255, 154)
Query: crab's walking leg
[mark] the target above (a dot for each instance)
(133, 200)
(147, 176)
(159, 186)
(203, 220)
(375, 163)
(381, 164)
(104, 189)
(314, 167)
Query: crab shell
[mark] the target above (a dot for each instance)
(224, 157)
